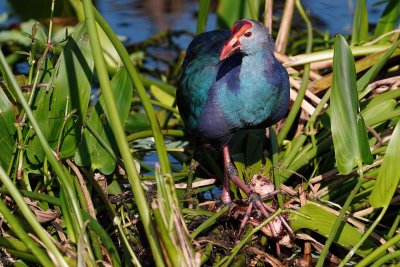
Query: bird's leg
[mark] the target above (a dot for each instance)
(232, 173)
(226, 198)
(246, 217)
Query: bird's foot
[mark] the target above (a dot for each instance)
(260, 189)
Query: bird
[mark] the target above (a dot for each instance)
(229, 81)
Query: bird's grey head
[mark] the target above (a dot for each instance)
(247, 36)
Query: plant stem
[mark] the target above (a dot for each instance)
(339, 219)
(275, 164)
(304, 81)
(118, 129)
(363, 238)
(371, 257)
(210, 221)
(253, 9)
(135, 77)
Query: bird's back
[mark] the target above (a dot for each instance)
(199, 71)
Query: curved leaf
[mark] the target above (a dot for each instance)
(348, 128)
(321, 221)
(68, 96)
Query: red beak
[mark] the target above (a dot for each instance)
(230, 47)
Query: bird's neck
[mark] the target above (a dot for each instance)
(256, 63)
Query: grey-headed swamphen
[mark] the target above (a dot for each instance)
(231, 80)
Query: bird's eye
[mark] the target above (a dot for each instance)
(247, 34)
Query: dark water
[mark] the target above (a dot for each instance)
(138, 20)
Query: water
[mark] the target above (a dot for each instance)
(337, 16)
(138, 20)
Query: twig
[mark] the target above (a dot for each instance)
(85, 191)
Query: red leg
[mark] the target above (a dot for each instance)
(231, 172)
(226, 198)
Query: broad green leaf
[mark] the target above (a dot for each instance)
(114, 188)
(321, 221)
(7, 131)
(68, 96)
(348, 129)
(389, 173)
(360, 23)
(388, 20)
(90, 151)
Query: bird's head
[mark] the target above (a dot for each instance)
(247, 36)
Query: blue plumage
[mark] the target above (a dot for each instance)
(248, 88)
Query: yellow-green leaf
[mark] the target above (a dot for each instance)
(321, 221)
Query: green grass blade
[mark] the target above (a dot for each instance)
(371, 258)
(389, 173)
(377, 112)
(151, 115)
(202, 17)
(348, 128)
(304, 81)
(388, 20)
(360, 23)
(209, 222)
(105, 239)
(171, 227)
